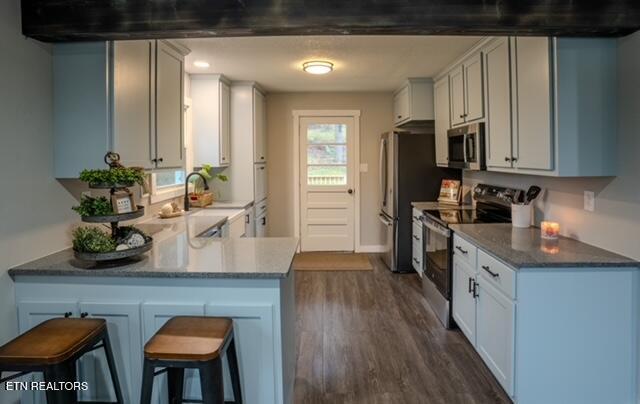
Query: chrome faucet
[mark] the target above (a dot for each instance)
(186, 188)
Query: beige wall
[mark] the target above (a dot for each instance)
(376, 118)
(615, 223)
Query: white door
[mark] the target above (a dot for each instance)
(463, 300)
(497, 65)
(473, 88)
(456, 82)
(443, 120)
(327, 207)
(495, 331)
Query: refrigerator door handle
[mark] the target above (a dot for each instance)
(384, 220)
(383, 171)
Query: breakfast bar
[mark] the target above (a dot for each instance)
(246, 279)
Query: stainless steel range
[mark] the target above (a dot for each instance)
(493, 205)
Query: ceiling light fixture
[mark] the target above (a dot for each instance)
(317, 67)
(201, 64)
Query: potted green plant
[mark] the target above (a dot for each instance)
(199, 197)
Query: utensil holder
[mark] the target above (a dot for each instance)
(521, 215)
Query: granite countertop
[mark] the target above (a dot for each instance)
(178, 253)
(439, 206)
(523, 248)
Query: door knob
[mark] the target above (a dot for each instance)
(350, 191)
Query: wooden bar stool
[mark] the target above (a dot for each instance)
(53, 347)
(192, 343)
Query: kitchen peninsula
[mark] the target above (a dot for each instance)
(247, 279)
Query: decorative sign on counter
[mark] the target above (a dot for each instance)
(450, 192)
(549, 230)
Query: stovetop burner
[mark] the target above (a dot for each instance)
(493, 205)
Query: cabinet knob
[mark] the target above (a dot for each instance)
(261, 157)
(84, 314)
(154, 160)
(462, 116)
(67, 314)
(399, 116)
(514, 159)
(507, 159)
(350, 191)
(160, 159)
(224, 158)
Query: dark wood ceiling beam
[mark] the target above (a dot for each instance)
(82, 20)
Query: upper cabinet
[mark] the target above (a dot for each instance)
(413, 102)
(549, 104)
(169, 106)
(467, 100)
(443, 120)
(497, 62)
(211, 99)
(259, 127)
(248, 142)
(562, 119)
(123, 96)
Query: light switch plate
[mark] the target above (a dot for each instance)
(364, 167)
(589, 201)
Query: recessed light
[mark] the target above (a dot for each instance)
(201, 64)
(317, 67)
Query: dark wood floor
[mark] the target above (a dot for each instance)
(369, 337)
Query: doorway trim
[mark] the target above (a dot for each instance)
(301, 113)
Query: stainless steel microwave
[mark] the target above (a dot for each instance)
(466, 147)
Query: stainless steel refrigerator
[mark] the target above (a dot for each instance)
(408, 173)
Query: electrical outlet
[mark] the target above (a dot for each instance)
(589, 201)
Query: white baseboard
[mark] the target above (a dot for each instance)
(371, 249)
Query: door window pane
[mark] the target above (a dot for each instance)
(327, 154)
(327, 175)
(327, 133)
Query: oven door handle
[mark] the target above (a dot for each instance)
(384, 220)
(442, 232)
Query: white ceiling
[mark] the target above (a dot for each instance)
(362, 63)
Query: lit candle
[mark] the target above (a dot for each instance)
(550, 230)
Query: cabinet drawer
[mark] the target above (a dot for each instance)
(497, 273)
(260, 191)
(260, 209)
(416, 259)
(464, 250)
(416, 237)
(416, 214)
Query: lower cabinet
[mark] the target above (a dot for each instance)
(484, 311)
(495, 323)
(123, 321)
(464, 302)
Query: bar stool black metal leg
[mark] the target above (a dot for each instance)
(211, 382)
(232, 359)
(147, 382)
(62, 372)
(175, 385)
(112, 367)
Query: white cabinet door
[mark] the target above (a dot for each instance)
(401, 105)
(123, 323)
(456, 81)
(261, 226)
(533, 96)
(474, 96)
(259, 129)
(463, 300)
(260, 178)
(498, 126)
(443, 120)
(32, 313)
(495, 332)
(132, 104)
(169, 106)
(154, 315)
(225, 124)
(249, 223)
